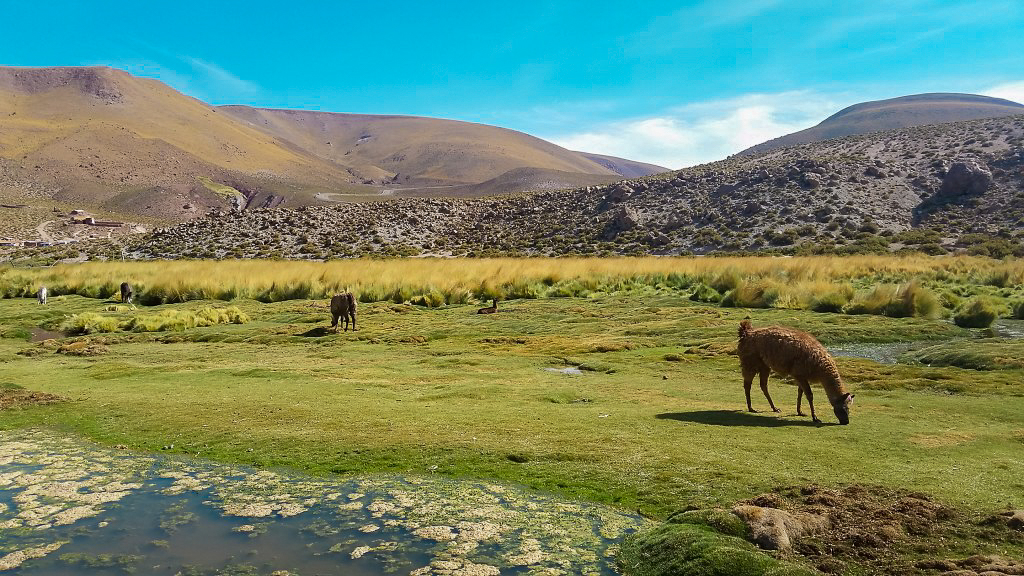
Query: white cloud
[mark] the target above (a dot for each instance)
(705, 131)
(194, 77)
(218, 80)
(1013, 91)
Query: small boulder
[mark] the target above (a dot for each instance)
(812, 180)
(966, 177)
(619, 193)
(774, 529)
(1016, 520)
(727, 188)
(876, 172)
(623, 220)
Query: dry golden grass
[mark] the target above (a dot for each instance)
(792, 282)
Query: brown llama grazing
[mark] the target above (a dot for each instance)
(793, 353)
(491, 309)
(343, 306)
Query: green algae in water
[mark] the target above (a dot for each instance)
(68, 507)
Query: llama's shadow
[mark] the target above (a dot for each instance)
(318, 332)
(737, 418)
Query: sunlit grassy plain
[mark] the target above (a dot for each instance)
(654, 422)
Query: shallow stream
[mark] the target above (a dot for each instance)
(69, 507)
(890, 352)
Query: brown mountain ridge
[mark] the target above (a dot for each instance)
(100, 138)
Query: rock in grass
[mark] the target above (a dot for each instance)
(694, 550)
(1016, 520)
(774, 529)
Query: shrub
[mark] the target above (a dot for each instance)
(978, 313)
(1018, 310)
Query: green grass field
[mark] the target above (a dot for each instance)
(653, 422)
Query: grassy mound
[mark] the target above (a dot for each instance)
(696, 550)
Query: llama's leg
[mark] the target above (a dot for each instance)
(799, 399)
(810, 398)
(748, 381)
(764, 388)
(353, 313)
(334, 321)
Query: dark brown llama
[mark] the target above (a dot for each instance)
(126, 293)
(343, 306)
(491, 309)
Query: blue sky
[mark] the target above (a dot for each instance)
(675, 83)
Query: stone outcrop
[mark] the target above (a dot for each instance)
(774, 529)
(966, 178)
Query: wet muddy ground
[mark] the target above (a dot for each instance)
(69, 507)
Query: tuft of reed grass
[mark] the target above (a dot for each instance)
(163, 321)
(89, 323)
(911, 299)
(978, 313)
(758, 294)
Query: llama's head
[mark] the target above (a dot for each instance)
(842, 407)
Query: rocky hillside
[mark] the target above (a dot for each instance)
(894, 113)
(930, 188)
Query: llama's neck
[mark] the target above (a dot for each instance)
(833, 386)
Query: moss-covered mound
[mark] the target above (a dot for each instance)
(685, 549)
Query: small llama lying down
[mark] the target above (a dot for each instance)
(793, 353)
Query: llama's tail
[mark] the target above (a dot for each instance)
(745, 329)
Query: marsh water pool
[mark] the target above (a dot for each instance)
(71, 507)
(891, 352)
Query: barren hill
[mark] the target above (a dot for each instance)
(623, 167)
(410, 150)
(937, 188)
(902, 112)
(102, 139)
